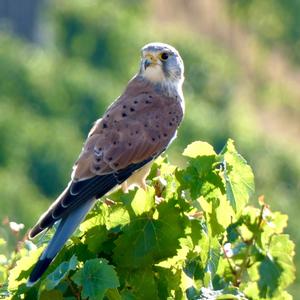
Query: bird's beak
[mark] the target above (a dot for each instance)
(147, 63)
(149, 60)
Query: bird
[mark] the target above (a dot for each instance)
(120, 147)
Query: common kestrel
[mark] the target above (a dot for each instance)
(135, 129)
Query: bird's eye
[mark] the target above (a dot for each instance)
(164, 56)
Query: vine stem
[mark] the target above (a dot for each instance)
(75, 292)
(250, 243)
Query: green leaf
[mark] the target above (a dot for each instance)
(21, 271)
(148, 239)
(143, 201)
(277, 270)
(140, 284)
(118, 216)
(53, 279)
(212, 261)
(198, 148)
(95, 237)
(168, 281)
(270, 272)
(51, 295)
(283, 251)
(239, 179)
(113, 294)
(95, 278)
(219, 213)
(279, 222)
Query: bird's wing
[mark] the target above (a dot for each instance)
(135, 129)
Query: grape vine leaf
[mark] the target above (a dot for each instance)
(95, 278)
(277, 270)
(198, 148)
(148, 239)
(140, 284)
(238, 175)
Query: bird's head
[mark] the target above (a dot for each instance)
(162, 64)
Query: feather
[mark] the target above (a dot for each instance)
(65, 228)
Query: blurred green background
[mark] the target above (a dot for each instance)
(62, 62)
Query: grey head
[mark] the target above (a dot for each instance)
(162, 65)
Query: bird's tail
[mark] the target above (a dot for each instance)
(64, 230)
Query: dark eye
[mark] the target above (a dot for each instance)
(164, 56)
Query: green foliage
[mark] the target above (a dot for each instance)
(95, 277)
(190, 235)
(241, 82)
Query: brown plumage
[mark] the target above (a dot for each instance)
(134, 130)
(140, 124)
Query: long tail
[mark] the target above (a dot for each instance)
(65, 228)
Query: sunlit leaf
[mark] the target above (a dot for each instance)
(212, 261)
(21, 271)
(198, 149)
(147, 240)
(143, 201)
(238, 177)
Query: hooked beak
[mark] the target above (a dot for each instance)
(147, 63)
(149, 60)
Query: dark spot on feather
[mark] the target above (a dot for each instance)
(165, 135)
(135, 102)
(171, 124)
(145, 125)
(124, 106)
(153, 139)
(129, 144)
(110, 158)
(148, 102)
(157, 126)
(137, 132)
(132, 109)
(97, 168)
(149, 96)
(104, 125)
(170, 112)
(124, 115)
(116, 164)
(114, 142)
(107, 116)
